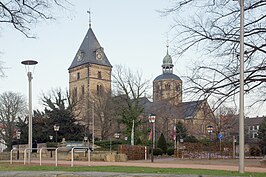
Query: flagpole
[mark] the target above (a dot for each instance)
(132, 133)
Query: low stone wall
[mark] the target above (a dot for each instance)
(4, 156)
(66, 155)
(115, 157)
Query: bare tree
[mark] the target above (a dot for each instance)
(104, 114)
(21, 14)
(12, 106)
(210, 29)
(129, 88)
(226, 121)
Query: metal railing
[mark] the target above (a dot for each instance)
(25, 154)
(41, 153)
(11, 155)
(56, 154)
(86, 149)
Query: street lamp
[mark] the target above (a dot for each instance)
(234, 147)
(241, 167)
(85, 140)
(241, 93)
(209, 130)
(117, 135)
(18, 139)
(29, 65)
(51, 139)
(56, 129)
(152, 121)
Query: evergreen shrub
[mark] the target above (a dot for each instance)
(157, 151)
(170, 151)
(162, 143)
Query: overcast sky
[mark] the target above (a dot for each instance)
(132, 33)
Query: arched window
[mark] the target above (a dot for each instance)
(99, 74)
(167, 86)
(178, 87)
(99, 89)
(82, 90)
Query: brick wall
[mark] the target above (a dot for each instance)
(132, 152)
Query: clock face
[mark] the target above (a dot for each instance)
(98, 55)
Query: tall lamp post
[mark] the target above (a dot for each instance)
(29, 65)
(93, 125)
(241, 93)
(51, 139)
(56, 129)
(85, 139)
(210, 129)
(241, 167)
(18, 139)
(152, 118)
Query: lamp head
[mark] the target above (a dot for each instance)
(18, 133)
(29, 64)
(56, 128)
(152, 118)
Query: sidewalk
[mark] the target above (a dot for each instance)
(251, 165)
(88, 174)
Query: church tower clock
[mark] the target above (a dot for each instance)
(167, 86)
(89, 76)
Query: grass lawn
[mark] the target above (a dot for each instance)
(20, 167)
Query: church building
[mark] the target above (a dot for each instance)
(90, 83)
(89, 79)
(169, 107)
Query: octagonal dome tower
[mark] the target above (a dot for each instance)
(167, 86)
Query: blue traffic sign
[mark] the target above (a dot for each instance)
(220, 136)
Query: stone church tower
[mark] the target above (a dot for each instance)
(167, 86)
(89, 76)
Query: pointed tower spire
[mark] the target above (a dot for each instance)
(167, 62)
(89, 12)
(167, 44)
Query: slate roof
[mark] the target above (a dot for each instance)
(167, 76)
(187, 110)
(250, 121)
(88, 48)
(184, 110)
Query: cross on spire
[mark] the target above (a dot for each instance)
(89, 12)
(167, 43)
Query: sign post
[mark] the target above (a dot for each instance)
(220, 136)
